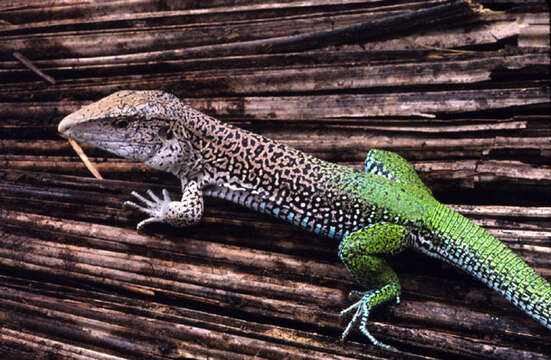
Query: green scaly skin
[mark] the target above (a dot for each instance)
(374, 213)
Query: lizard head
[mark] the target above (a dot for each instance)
(137, 125)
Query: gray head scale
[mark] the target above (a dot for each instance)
(146, 126)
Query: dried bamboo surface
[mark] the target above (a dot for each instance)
(460, 90)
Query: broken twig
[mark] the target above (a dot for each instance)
(33, 68)
(84, 158)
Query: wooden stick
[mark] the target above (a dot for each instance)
(439, 317)
(44, 344)
(224, 253)
(300, 78)
(84, 158)
(488, 33)
(32, 67)
(280, 41)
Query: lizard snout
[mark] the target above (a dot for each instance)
(65, 124)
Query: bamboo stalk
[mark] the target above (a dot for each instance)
(390, 51)
(481, 34)
(126, 307)
(212, 10)
(184, 291)
(224, 253)
(194, 274)
(265, 42)
(173, 332)
(44, 344)
(504, 211)
(288, 79)
(298, 108)
(105, 272)
(513, 236)
(366, 105)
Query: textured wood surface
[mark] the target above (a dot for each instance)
(460, 90)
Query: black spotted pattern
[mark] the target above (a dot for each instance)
(273, 178)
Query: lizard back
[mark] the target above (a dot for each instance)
(270, 177)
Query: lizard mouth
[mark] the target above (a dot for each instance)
(90, 131)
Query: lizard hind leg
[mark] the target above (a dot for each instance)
(359, 252)
(393, 167)
(187, 211)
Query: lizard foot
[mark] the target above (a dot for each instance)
(155, 208)
(368, 300)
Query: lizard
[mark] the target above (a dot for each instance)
(374, 213)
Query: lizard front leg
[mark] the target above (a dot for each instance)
(187, 211)
(359, 253)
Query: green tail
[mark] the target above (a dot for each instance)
(459, 241)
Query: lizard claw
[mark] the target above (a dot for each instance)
(155, 207)
(362, 310)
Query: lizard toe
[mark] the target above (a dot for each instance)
(143, 223)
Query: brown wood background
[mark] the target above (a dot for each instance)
(461, 92)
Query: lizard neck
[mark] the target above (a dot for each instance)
(230, 156)
(457, 240)
(270, 177)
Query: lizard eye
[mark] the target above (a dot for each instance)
(120, 124)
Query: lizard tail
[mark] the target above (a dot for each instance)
(461, 242)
